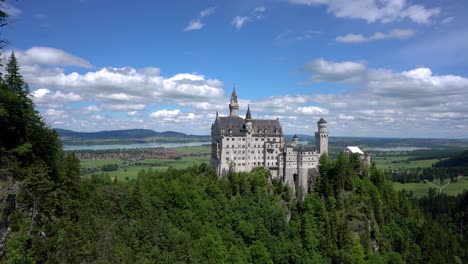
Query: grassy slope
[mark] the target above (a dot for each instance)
(395, 163)
(131, 172)
(162, 164)
(421, 189)
(90, 163)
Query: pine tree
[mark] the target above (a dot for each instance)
(13, 77)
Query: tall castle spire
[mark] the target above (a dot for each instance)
(248, 122)
(248, 116)
(233, 105)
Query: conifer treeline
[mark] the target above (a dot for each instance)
(35, 173)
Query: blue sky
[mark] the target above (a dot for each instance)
(390, 68)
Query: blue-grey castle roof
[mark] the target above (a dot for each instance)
(235, 126)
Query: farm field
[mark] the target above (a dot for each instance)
(401, 163)
(93, 163)
(421, 188)
(193, 150)
(129, 170)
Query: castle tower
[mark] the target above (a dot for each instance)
(367, 158)
(321, 136)
(233, 105)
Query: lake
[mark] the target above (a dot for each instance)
(396, 149)
(133, 146)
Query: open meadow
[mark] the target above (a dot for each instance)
(401, 163)
(129, 169)
(421, 188)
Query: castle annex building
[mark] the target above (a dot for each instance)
(240, 144)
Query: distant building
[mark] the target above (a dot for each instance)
(364, 156)
(241, 144)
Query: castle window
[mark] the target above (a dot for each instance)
(243, 139)
(227, 139)
(256, 139)
(227, 159)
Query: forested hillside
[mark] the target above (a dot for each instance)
(193, 216)
(460, 160)
(39, 183)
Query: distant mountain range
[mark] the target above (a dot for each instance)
(125, 136)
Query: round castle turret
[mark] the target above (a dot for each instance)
(322, 125)
(321, 136)
(367, 158)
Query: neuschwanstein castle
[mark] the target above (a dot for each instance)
(240, 144)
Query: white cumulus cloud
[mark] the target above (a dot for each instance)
(165, 114)
(414, 101)
(359, 38)
(51, 57)
(194, 25)
(375, 10)
(45, 96)
(197, 24)
(345, 71)
(256, 14)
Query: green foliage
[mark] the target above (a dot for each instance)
(460, 160)
(110, 167)
(31, 155)
(190, 215)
